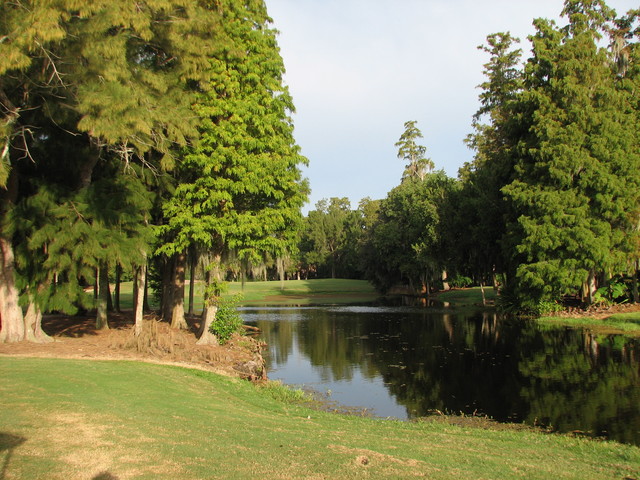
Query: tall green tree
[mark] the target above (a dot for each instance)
(330, 238)
(407, 237)
(478, 210)
(418, 165)
(240, 188)
(111, 79)
(576, 184)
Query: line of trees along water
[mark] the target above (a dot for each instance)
(145, 139)
(548, 208)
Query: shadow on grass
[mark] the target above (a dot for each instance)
(105, 476)
(8, 443)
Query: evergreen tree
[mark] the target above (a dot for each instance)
(408, 150)
(112, 78)
(478, 210)
(575, 190)
(326, 236)
(407, 237)
(240, 187)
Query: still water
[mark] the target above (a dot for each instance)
(407, 362)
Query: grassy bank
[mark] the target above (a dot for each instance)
(305, 292)
(68, 419)
(626, 323)
(290, 292)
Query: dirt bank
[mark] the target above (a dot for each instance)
(76, 337)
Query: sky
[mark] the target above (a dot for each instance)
(359, 69)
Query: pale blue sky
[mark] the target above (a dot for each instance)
(358, 69)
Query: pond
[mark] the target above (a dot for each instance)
(407, 362)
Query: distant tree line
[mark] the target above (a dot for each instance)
(139, 140)
(549, 207)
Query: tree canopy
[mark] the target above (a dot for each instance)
(133, 130)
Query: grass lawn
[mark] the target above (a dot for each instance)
(290, 292)
(626, 323)
(79, 419)
(304, 292)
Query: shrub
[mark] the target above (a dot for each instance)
(228, 321)
(460, 281)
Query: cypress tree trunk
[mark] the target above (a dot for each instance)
(591, 287)
(108, 295)
(116, 293)
(33, 324)
(102, 321)
(177, 310)
(205, 337)
(445, 284)
(145, 301)
(139, 287)
(484, 298)
(167, 289)
(10, 312)
(192, 281)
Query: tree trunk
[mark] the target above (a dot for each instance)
(280, 268)
(116, 292)
(445, 284)
(167, 289)
(145, 302)
(12, 329)
(591, 287)
(102, 320)
(634, 285)
(177, 310)
(192, 281)
(139, 284)
(33, 324)
(205, 335)
(484, 298)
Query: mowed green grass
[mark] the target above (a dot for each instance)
(625, 323)
(290, 292)
(100, 420)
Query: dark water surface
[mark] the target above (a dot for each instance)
(406, 362)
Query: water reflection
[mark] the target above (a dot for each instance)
(406, 362)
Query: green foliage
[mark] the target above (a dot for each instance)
(460, 281)
(239, 188)
(408, 150)
(575, 190)
(330, 239)
(407, 235)
(228, 320)
(284, 393)
(614, 292)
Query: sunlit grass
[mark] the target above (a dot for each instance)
(68, 419)
(290, 292)
(627, 323)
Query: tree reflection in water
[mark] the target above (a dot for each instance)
(430, 359)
